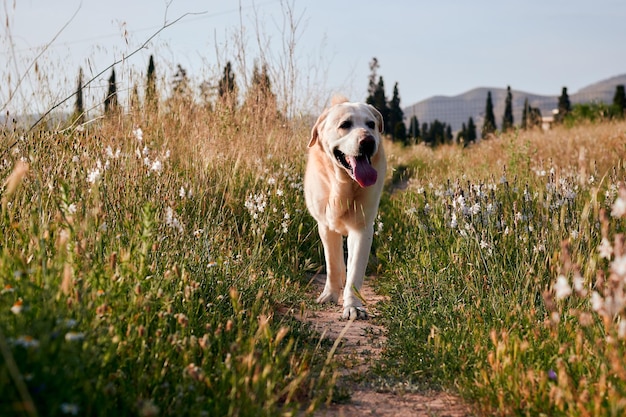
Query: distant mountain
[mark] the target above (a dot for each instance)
(456, 110)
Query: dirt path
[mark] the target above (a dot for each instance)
(360, 346)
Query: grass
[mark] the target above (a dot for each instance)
(143, 267)
(473, 251)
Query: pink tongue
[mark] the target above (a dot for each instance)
(364, 173)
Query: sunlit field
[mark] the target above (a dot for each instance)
(505, 265)
(150, 265)
(153, 261)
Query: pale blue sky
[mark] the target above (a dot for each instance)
(429, 47)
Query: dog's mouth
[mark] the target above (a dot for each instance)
(359, 167)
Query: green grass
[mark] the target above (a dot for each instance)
(140, 276)
(471, 262)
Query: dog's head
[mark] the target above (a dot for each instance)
(349, 133)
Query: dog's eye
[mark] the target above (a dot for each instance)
(371, 124)
(346, 124)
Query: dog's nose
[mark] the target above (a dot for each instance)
(367, 145)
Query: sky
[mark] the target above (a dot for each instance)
(428, 47)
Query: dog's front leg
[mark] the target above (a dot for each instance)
(335, 265)
(359, 245)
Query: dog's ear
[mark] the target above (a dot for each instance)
(379, 118)
(316, 128)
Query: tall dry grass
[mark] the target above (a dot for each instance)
(504, 266)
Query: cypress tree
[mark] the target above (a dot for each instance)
(619, 101)
(260, 100)
(227, 87)
(471, 130)
(507, 118)
(448, 135)
(372, 86)
(399, 133)
(79, 108)
(134, 99)
(564, 106)
(110, 101)
(180, 82)
(380, 103)
(151, 92)
(396, 116)
(414, 129)
(489, 124)
(525, 114)
(461, 137)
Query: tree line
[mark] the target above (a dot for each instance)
(258, 99)
(438, 132)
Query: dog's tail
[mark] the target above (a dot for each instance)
(338, 99)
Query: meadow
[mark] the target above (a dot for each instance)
(153, 263)
(504, 264)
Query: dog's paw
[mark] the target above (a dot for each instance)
(354, 313)
(328, 297)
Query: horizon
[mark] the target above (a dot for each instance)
(535, 47)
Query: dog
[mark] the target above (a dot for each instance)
(343, 182)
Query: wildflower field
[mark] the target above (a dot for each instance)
(505, 265)
(153, 263)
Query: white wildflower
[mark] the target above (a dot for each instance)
(114, 155)
(138, 133)
(7, 289)
(68, 408)
(579, 285)
(156, 166)
(619, 207)
(605, 249)
(17, 307)
(27, 342)
(621, 329)
(74, 336)
(172, 221)
(94, 175)
(618, 266)
(597, 302)
(453, 222)
(459, 202)
(561, 288)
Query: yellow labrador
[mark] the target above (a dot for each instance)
(342, 185)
